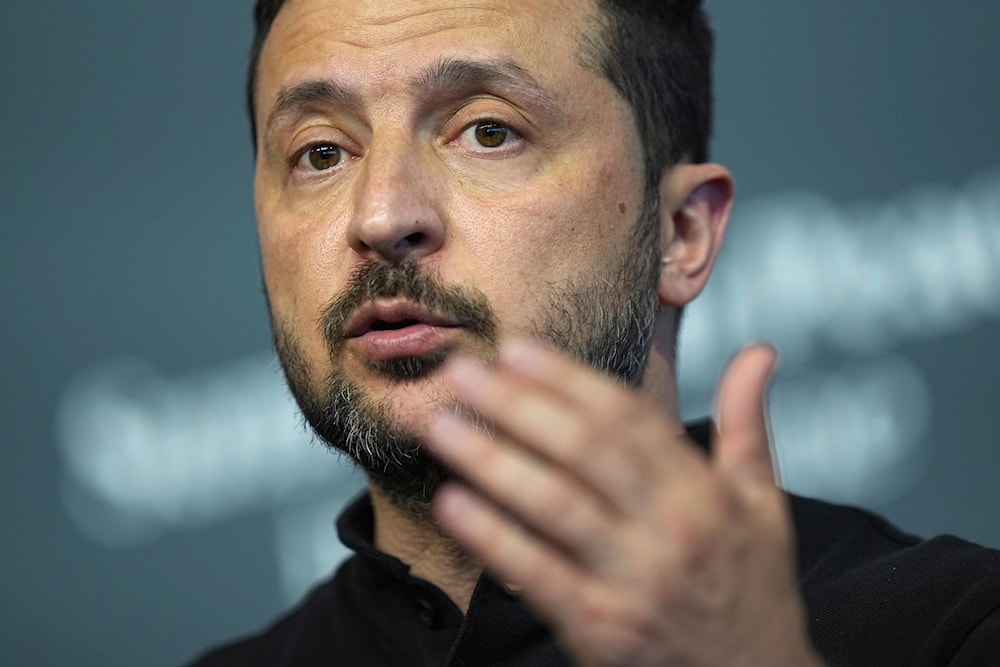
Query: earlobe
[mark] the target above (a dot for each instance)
(695, 202)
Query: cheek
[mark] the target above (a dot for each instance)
(566, 228)
(278, 263)
(567, 222)
(297, 263)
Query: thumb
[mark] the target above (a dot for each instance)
(742, 449)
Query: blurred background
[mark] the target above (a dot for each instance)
(157, 491)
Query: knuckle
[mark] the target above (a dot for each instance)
(661, 587)
(615, 630)
(722, 499)
(594, 609)
(557, 500)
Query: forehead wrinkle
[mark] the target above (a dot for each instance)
(447, 77)
(318, 95)
(403, 28)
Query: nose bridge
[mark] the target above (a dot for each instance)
(396, 215)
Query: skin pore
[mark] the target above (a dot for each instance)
(472, 141)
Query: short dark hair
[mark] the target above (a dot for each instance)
(656, 53)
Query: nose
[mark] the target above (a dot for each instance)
(397, 213)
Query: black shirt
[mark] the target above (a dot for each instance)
(874, 596)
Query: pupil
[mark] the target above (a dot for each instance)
(324, 157)
(491, 135)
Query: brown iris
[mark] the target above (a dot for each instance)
(491, 135)
(324, 157)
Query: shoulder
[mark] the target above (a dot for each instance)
(875, 593)
(281, 643)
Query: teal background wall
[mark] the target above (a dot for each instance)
(157, 494)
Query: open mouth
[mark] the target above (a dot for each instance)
(390, 329)
(385, 325)
(393, 315)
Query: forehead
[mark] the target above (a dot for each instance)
(372, 44)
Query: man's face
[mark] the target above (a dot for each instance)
(432, 176)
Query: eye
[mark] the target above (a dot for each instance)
(321, 157)
(489, 134)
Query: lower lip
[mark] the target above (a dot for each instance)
(412, 341)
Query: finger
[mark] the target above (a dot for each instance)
(601, 396)
(545, 577)
(558, 373)
(587, 447)
(742, 450)
(554, 505)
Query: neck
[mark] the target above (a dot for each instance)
(430, 554)
(659, 382)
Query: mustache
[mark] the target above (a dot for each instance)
(465, 305)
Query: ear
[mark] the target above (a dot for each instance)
(695, 201)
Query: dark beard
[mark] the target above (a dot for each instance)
(345, 416)
(606, 322)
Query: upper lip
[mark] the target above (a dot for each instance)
(392, 311)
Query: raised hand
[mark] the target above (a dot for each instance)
(636, 547)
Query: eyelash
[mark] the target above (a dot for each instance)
(510, 143)
(295, 160)
(494, 125)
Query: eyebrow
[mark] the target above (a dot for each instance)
(302, 97)
(449, 78)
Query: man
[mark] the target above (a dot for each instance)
(479, 223)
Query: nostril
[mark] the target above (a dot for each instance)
(414, 239)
